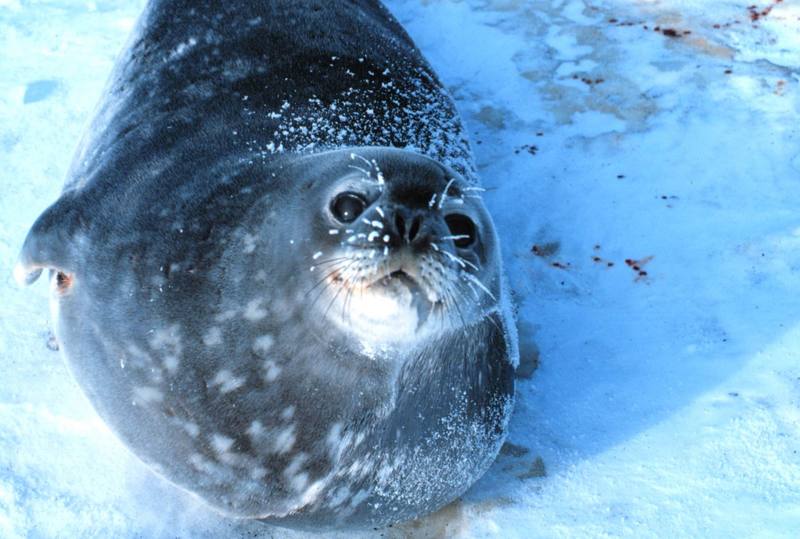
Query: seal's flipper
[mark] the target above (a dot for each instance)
(47, 245)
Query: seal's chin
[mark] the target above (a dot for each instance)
(392, 309)
(406, 290)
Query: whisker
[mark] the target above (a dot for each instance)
(362, 171)
(443, 197)
(330, 274)
(478, 282)
(458, 309)
(457, 237)
(322, 280)
(354, 155)
(454, 258)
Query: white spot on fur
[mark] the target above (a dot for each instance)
(312, 493)
(221, 443)
(340, 496)
(249, 243)
(147, 394)
(287, 413)
(359, 438)
(225, 315)
(258, 473)
(226, 381)
(139, 357)
(199, 462)
(334, 438)
(213, 337)
(192, 429)
(384, 473)
(263, 344)
(255, 430)
(297, 480)
(168, 342)
(284, 440)
(182, 48)
(360, 496)
(253, 312)
(171, 363)
(271, 371)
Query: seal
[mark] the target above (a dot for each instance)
(272, 270)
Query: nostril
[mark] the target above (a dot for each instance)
(414, 230)
(400, 225)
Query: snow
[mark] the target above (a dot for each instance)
(665, 404)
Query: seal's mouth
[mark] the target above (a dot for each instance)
(403, 287)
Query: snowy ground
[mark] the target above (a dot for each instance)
(666, 403)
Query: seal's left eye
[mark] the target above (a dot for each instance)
(346, 207)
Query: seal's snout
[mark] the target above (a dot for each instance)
(407, 227)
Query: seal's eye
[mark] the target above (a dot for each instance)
(346, 207)
(462, 228)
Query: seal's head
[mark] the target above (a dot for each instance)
(401, 247)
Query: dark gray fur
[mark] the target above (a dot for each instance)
(195, 202)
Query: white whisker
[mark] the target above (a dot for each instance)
(477, 281)
(454, 258)
(444, 193)
(361, 170)
(457, 237)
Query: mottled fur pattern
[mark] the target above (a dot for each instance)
(211, 313)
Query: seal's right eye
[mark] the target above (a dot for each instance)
(346, 207)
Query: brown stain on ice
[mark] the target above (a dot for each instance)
(452, 520)
(492, 117)
(702, 44)
(638, 267)
(547, 251)
(516, 460)
(709, 48)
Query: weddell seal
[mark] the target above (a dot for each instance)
(272, 271)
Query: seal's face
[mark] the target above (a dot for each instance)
(404, 248)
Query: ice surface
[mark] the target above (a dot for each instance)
(666, 403)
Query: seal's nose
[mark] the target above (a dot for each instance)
(407, 226)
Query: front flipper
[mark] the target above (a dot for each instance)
(49, 243)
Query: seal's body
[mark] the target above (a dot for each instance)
(272, 272)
